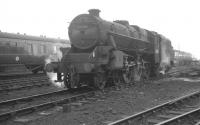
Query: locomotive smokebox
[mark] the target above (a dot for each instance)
(94, 12)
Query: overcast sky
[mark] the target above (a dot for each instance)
(178, 20)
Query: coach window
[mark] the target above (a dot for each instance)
(30, 48)
(54, 49)
(44, 49)
(12, 43)
(39, 49)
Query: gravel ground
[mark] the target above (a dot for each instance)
(117, 104)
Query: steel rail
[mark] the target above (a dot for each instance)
(26, 77)
(15, 75)
(25, 86)
(174, 119)
(128, 120)
(10, 114)
(31, 97)
(9, 85)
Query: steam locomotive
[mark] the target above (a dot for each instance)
(23, 53)
(104, 53)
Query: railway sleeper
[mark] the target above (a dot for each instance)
(154, 121)
(186, 109)
(167, 116)
(191, 106)
(176, 112)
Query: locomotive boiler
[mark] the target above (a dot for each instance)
(104, 52)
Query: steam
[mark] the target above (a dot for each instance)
(52, 77)
(165, 57)
(56, 56)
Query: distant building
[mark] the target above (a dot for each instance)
(182, 58)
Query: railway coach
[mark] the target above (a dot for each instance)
(23, 52)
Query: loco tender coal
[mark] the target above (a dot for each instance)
(104, 52)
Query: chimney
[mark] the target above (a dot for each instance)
(94, 12)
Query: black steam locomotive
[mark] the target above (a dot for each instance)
(104, 52)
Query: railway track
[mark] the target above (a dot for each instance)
(18, 75)
(24, 82)
(191, 71)
(26, 105)
(173, 112)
